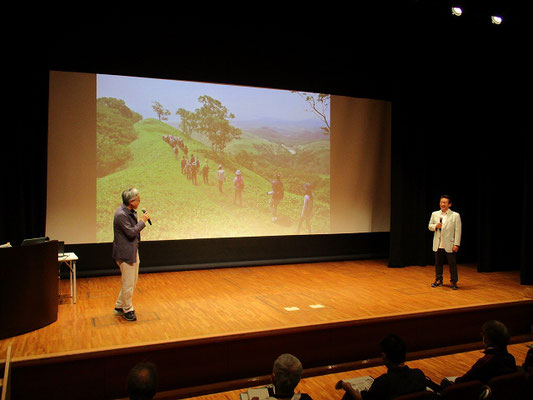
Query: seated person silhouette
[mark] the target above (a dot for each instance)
(286, 375)
(399, 378)
(496, 361)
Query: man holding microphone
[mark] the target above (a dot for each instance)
(446, 225)
(126, 240)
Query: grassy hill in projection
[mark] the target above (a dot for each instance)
(180, 209)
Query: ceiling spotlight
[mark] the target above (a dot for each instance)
(496, 20)
(457, 11)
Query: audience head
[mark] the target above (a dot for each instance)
(286, 374)
(142, 381)
(393, 350)
(495, 334)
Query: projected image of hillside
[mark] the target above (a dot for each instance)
(212, 160)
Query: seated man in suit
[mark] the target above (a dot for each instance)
(399, 378)
(496, 361)
(286, 375)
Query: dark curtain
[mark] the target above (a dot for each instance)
(526, 268)
(23, 198)
(431, 155)
(463, 129)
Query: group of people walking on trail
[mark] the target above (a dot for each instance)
(238, 184)
(175, 142)
(277, 193)
(190, 167)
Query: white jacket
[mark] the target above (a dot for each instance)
(451, 230)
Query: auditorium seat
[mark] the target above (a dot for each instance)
(508, 387)
(426, 394)
(474, 390)
(529, 385)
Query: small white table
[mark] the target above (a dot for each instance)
(70, 260)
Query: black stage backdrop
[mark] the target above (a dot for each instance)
(460, 116)
(461, 127)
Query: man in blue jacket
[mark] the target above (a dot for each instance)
(126, 240)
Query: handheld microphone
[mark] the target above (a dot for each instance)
(440, 220)
(150, 221)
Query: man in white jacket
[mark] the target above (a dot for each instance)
(446, 225)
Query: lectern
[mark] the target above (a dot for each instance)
(28, 288)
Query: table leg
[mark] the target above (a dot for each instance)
(74, 272)
(70, 277)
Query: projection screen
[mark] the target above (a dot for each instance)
(171, 139)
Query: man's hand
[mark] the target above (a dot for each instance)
(455, 249)
(438, 226)
(145, 217)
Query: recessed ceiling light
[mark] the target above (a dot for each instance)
(457, 11)
(496, 19)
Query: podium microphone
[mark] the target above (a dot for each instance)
(150, 221)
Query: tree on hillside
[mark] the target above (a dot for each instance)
(188, 121)
(213, 121)
(119, 107)
(319, 104)
(162, 113)
(114, 132)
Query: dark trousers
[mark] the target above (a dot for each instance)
(440, 258)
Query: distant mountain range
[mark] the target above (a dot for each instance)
(283, 131)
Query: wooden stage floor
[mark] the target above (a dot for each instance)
(181, 305)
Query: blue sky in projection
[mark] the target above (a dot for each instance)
(246, 103)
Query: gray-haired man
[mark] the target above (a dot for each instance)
(127, 235)
(286, 375)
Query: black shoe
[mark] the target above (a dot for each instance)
(118, 311)
(129, 316)
(454, 286)
(437, 283)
